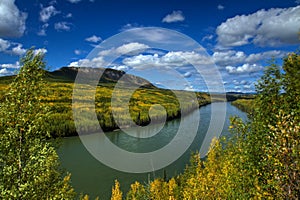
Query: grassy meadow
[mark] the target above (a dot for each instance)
(58, 98)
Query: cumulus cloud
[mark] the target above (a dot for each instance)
(171, 59)
(5, 72)
(255, 57)
(121, 67)
(129, 47)
(12, 20)
(97, 62)
(41, 50)
(276, 26)
(48, 12)
(62, 26)
(8, 69)
(13, 48)
(232, 57)
(18, 50)
(175, 16)
(245, 68)
(229, 57)
(11, 66)
(4, 45)
(93, 38)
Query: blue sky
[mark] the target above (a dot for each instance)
(239, 36)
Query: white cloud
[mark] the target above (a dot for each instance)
(231, 57)
(207, 37)
(69, 15)
(11, 66)
(96, 62)
(121, 67)
(171, 59)
(15, 48)
(245, 68)
(175, 16)
(133, 46)
(5, 72)
(187, 74)
(130, 26)
(255, 57)
(19, 50)
(73, 1)
(77, 52)
(276, 26)
(41, 50)
(93, 38)
(129, 48)
(189, 88)
(8, 69)
(220, 7)
(142, 61)
(4, 45)
(42, 32)
(62, 26)
(12, 20)
(48, 12)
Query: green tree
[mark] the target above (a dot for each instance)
(29, 165)
(271, 141)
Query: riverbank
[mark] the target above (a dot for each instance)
(245, 105)
(89, 176)
(60, 120)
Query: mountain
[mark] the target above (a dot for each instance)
(109, 76)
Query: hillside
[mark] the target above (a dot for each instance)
(68, 75)
(59, 89)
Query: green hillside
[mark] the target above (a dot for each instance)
(59, 99)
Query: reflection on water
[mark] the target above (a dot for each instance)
(92, 177)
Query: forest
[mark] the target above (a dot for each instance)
(260, 159)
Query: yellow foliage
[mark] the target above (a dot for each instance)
(116, 192)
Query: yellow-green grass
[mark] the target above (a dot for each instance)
(245, 105)
(59, 100)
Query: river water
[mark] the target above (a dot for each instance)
(90, 176)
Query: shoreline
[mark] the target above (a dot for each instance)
(112, 129)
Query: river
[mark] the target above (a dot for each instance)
(89, 176)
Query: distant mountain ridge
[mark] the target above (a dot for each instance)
(68, 74)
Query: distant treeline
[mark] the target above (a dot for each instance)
(60, 116)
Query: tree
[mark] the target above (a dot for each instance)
(29, 165)
(271, 141)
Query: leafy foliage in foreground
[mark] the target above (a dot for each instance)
(29, 165)
(261, 160)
